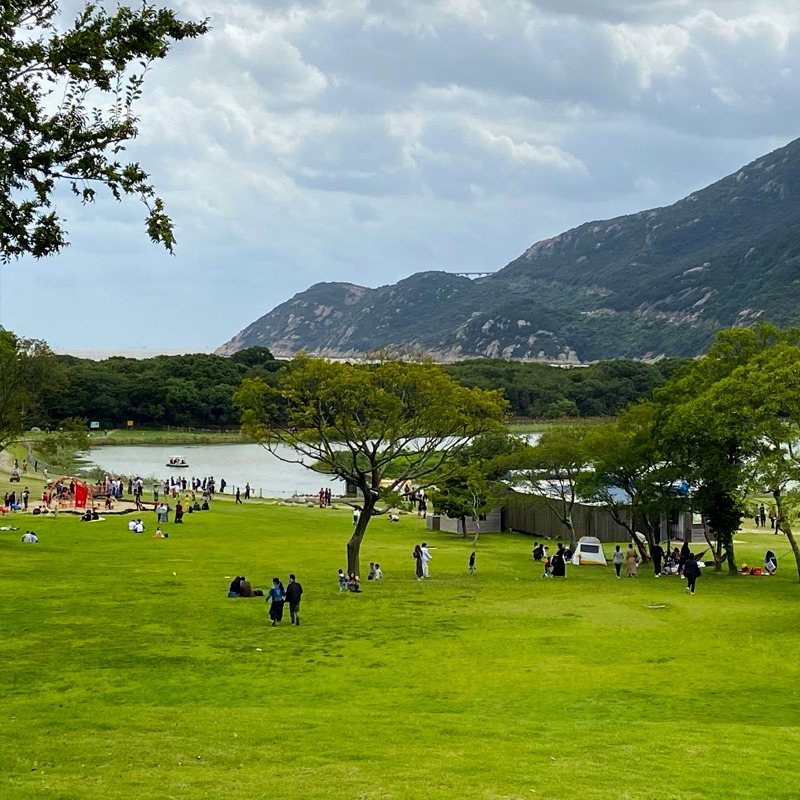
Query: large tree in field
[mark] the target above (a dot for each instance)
(27, 368)
(764, 395)
(67, 108)
(357, 422)
(550, 470)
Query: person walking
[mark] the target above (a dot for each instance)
(426, 557)
(471, 567)
(238, 496)
(658, 557)
(617, 560)
(25, 497)
(276, 597)
(418, 572)
(294, 591)
(631, 562)
(685, 553)
(762, 514)
(559, 562)
(691, 571)
(773, 515)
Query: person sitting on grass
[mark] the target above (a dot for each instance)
(378, 572)
(235, 589)
(158, 534)
(371, 573)
(342, 580)
(29, 537)
(353, 583)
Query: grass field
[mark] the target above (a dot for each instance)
(127, 673)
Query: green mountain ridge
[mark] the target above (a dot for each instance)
(658, 282)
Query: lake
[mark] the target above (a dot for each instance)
(238, 464)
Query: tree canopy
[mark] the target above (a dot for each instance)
(358, 421)
(67, 110)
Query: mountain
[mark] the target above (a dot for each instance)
(660, 282)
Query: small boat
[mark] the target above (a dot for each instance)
(177, 461)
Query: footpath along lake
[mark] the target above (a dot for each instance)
(238, 464)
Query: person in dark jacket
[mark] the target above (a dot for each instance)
(685, 553)
(691, 570)
(294, 591)
(559, 563)
(277, 595)
(235, 589)
(658, 556)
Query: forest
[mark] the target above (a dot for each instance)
(196, 391)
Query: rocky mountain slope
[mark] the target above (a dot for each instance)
(658, 282)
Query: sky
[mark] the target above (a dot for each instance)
(366, 140)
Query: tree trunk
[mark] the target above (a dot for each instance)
(787, 529)
(463, 526)
(354, 545)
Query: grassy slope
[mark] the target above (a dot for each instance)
(122, 679)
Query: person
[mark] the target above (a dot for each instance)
(29, 537)
(378, 572)
(422, 508)
(471, 565)
(178, 513)
(353, 583)
(222, 485)
(426, 557)
(371, 573)
(235, 590)
(773, 515)
(658, 555)
(418, 558)
(342, 580)
(247, 491)
(770, 563)
(294, 591)
(671, 563)
(762, 515)
(684, 554)
(356, 515)
(158, 534)
(691, 571)
(393, 518)
(558, 563)
(139, 526)
(276, 597)
(631, 562)
(568, 553)
(238, 498)
(548, 564)
(25, 496)
(538, 551)
(245, 588)
(617, 560)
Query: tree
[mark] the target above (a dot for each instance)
(550, 469)
(381, 415)
(27, 368)
(631, 475)
(61, 446)
(67, 110)
(464, 493)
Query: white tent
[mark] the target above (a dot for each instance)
(589, 551)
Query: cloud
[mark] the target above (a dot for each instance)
(306, 140)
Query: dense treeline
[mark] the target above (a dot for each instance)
(191, 390)
(545, 392)
(197, 390)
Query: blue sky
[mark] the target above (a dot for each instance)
(363, 141)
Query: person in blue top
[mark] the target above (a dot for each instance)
(277, 594)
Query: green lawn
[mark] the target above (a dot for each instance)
(125, 672)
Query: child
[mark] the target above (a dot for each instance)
(378, 572)
(548, 565)
(471, 568)
(371, 573)
(618, 558)
(342, 581)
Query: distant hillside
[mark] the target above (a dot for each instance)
(659, 282)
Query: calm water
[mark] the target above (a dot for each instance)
(236, 463)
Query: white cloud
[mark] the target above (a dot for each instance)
(328, 140)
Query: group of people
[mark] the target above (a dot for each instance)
(554, 566)
(760, 518)
(324, 497)
(277, 596)
(12, 502)
(417, 499)
(422, 559)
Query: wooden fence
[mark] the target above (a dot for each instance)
(538, 519)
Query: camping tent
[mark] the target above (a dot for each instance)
(589, 551)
